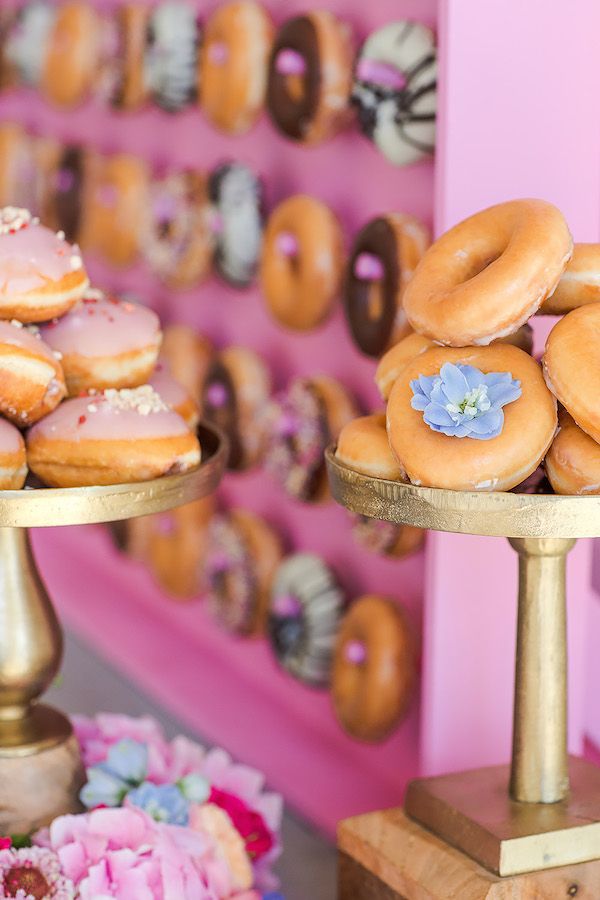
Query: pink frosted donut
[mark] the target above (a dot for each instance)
(13, 464)
(31, 378)
(105, 342)
(41, 274)
(111, 438)
(175, 395)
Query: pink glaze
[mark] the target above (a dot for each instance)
(21, 336)
(11, 440)
(287, 243)
(368, 267)
(382, 73)
(355, 652)
(103, 326)
(290, 62)
(170, 390)
(33, 256)
(94, 418)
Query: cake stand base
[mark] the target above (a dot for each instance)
(38, 785)
(386, 856)
(474, 812)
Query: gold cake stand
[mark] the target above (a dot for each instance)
(543, 810)
(40, 768)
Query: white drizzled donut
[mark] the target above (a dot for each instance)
(395, 91)
(27, 41)
(236, 193)
(170, 62)
(305, 611)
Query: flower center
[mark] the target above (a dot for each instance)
(28, 879)
(474, 403)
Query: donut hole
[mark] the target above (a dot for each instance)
(480, 264)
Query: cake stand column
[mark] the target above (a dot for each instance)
(539, 769)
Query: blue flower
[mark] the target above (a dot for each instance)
(163, 802)
(194, 788)
(128, 759)
(102, 788)
(463, 402)
(125, 766)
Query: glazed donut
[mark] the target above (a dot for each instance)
(392, 362)
(310, 77)
(186, 355)
(236, 391)
(115, 207)
(123, 84)
(573, 461)
(41, 274)
(466, 431)
(171, 55)
(304, 614)
(396, 359)
(177, 240)
(104, 342)
(363, 446)
(485, 277)
(20, 176)
(237, 197)
(384, 255)
(242, 554)
(302, 422)
(13, 463)
(8, 76)
(386, 538)
(176, 396)
(570, 366)
(115, 437)
(175, 547)
(31, 378)
(26, 43)
(301, 262)
(71, 61)
(233, 65)
(373, 669)
(579, 283)
(394, 90)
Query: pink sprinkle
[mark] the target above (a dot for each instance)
(355, 652)
(166, 525)
(164, 208)
(217, 394)
(216, 223)
(368, 267)
(290, 62)
(381, 73)
(287, 606)
(218, 53)
(219, 562)
(287, 243)
(64, 181)
(288, 425)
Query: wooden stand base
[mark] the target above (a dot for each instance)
(386, 856)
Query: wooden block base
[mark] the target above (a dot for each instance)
(386, 856)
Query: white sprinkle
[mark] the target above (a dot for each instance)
(60, 235)
(92, 407)
(57, 354)
(16, 324)
(76, 263)
(13, 218)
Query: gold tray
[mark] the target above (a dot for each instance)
(35, 507)
(495, 513)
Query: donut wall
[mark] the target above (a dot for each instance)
(230, 688)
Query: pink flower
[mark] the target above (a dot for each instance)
(125, 854)
(33, 873)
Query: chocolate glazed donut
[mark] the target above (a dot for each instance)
(293, 114)
(219, 406)
(68, 181)
(371, 303)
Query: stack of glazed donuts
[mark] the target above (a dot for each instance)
(307, 73)
(74, 367)
(468, 407)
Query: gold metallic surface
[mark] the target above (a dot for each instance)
(467, 512)
(539, 757)
(473, 811)
(40, 507)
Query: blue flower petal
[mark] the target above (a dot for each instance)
(489, 424)
(420, 402)
(427, 383)
(436, 415)
(163, 802)
(501, 394)
(474, 377)
(102, 788)
(128, 759)
(454, 382)
(493, 378)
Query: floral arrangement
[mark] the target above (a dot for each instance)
(164, 820)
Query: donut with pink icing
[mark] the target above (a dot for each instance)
(41, 274)
(32, 383)
(175, 395)
(113, 437)
(13, 462)
(104, 342)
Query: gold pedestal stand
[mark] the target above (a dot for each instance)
(40, 769)
(544, 810)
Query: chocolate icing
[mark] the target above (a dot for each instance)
(67, 191)
(372, 335)
(224, 416)
(293, 116)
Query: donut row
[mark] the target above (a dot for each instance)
(363, 652)
(75, 369)
(468, 407)
(307, 72)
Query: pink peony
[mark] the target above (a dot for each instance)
(125, 854)
(33, 873)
